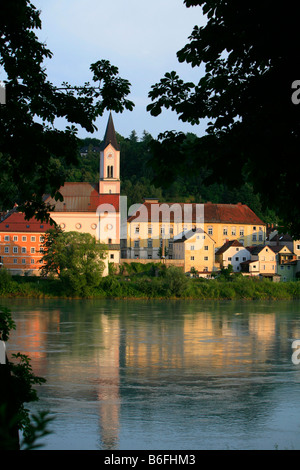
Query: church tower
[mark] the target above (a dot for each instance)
(109, 161)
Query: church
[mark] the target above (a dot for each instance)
(86, 207)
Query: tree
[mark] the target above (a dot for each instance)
(162, 252)
(176, 281)
(76, 258)
(33, 152)
(17, 381)
(249, 92)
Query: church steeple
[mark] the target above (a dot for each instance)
(109, 161)
(110, 135)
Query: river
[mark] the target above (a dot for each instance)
(163, 375)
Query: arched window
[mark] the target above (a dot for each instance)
(110, 172)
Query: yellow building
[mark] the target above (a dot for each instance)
(197, 249)
(262, 262)
(152, 223)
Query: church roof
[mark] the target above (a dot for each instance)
(110, 135)
(82, 197)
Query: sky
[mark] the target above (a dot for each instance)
(139, 37)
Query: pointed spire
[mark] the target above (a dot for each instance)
(110, 135)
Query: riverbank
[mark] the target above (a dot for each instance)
(171, 286)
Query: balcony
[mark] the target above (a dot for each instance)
(287, 259)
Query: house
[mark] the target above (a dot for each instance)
(262, 262)
(152, 222)
(284, 239)
(286, 262)
(232, 253)
(197, 249)
(20, 243)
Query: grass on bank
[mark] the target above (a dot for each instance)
(150, 281)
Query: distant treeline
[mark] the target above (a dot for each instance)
(138, 178)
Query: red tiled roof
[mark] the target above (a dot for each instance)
(15, 222)
(213, 213)
(82, 197)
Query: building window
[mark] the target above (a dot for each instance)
(112, 256)
(6, 249)
(33, 239)
(241, 231)
(137, 229)
(192, 247)
(225, 231)
(15, 260)
(42, 239)
(23, 249)
(210, 230)
(24, 238)
(32, 261)
(150, 229)
(6, 238)
(15, 249)
(206, 247)
(23, 261)
(192, 258)
(254, 237)
(149, 256)
(149, 243)
(237, 258)
(233, 231)
(136, 243)
(15, 238)
(205, 258)
(32, 250)
(110, 171)
(171, 230)
(162, 230)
